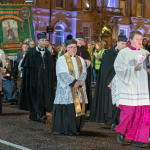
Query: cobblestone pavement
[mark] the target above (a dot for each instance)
(15, 127)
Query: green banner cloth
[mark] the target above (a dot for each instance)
(16, 26)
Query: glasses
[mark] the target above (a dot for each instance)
(72, 47)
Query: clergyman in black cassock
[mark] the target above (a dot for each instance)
(102, 109)
(70, 102)
(83, 52)
(37, 86)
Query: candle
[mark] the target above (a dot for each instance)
(141, 58)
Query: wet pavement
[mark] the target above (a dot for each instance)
(16, 128)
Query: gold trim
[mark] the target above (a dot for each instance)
(37, 48)
(14, 4)
(10, 54)
(79, 111)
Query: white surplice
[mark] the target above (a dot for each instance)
(131, 85)
(63, 92)
(115, 90)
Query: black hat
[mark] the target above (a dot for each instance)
(44, 33)
(41, 36)
(122, 38)
(79, 34)
(69, 40)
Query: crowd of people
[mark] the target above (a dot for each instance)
(119, 73)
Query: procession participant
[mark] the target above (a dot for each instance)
(49, 46)
(37, 86)
(102, 109)
(19, 66)
(31, 45)
(83, 52)
(131, 70)
(21, 52)
(71, 99)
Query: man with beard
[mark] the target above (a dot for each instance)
(37, 87)
(83, 52)
(102, 109)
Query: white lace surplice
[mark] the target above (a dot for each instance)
(115, 90)
(63, 92)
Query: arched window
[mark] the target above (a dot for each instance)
(107, 3)
(59, 36)
(86, 4)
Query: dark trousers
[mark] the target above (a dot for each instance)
(0, 105)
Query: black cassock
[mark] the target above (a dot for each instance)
(0, 104)
(102, 109)
(83, 52)
(37, 85)
(0, 94)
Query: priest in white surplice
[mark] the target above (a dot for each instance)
(133, 93)
(71, 99)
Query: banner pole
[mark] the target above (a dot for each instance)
(36, 15)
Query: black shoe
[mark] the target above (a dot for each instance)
(44, 118)
(138, 144)
(71, 134)
(87, 118)
(12, 103)
(120, 138)
(113, 127)
(38, 120)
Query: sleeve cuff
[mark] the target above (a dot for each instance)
(73, 83)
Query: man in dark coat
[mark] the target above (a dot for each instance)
(83, 52)
(102, 109)
(37, 87)
(31, 45)
(21, 53)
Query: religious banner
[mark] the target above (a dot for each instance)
(16, 26)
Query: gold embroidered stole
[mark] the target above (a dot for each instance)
(74, 91)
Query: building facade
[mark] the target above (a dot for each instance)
(70, 16)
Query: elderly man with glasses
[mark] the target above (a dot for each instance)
(71, 99)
